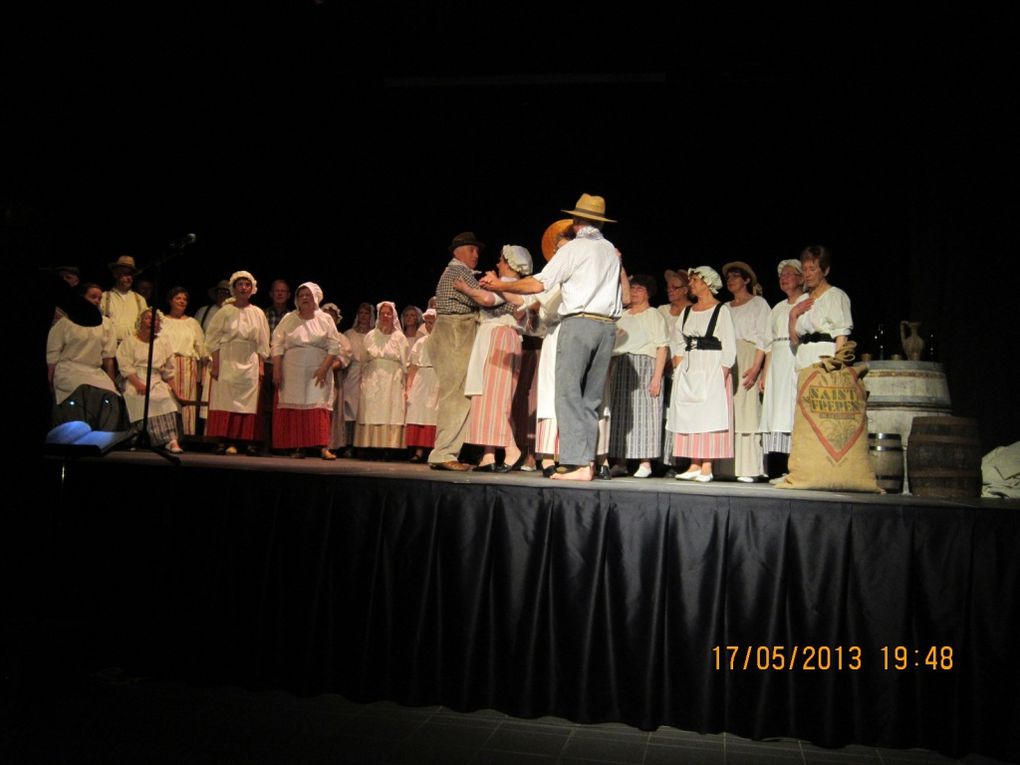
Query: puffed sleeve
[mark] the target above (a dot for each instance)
(216, 336)
(278, 342)
(332, 336)
(842, 322)
(126, 359)
(55, 340)
(263, 333)
(727, 336)
(345, 351)
(658, 329)
(762, 312)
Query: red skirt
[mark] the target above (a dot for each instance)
(235, 426)
(300, 428)
(420, 435)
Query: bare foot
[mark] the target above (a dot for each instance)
(581, 474)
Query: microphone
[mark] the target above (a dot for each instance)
(184, 241)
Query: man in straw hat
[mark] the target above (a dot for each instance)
(121, 304)
(450, 347)
(587, 271)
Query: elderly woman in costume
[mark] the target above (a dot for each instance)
(338, 436)
(701, 407)
(679, 295)
(381, 408)
(413, 322)
(495, 364)
(778, 380)
(304, 346)
(81, 372)
(364, 322)
(820, 322)
(635, 381)
(422, 394)
(750, 315)
(238, 340)
(188, 343)
(132, 359)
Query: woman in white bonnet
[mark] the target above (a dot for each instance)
(238, 340)
(381, 409)
(701, 407)
(305, 345)
(495, 365)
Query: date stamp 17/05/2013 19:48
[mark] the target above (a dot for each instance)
(826, 658)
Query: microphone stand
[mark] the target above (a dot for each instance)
(144, 441)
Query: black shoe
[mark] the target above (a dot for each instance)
(548, 471)
(492, 467)
(515, 466)
(602, 473)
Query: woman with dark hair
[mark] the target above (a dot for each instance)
(188, 343)
(305, 344)
(133, 362)
(238, 341)
(635, 381)
(750, 315)
(820, 322)
(704, 350)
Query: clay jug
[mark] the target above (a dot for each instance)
(913, 343)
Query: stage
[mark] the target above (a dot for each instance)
(839, 619)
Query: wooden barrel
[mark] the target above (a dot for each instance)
(944, 457)
(886, 453)
(899, 391)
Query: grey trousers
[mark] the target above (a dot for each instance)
(583, 352)
(450, 349)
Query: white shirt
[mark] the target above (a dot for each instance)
(587, 271)
(751, 320)
(122, 308)
(641, 333)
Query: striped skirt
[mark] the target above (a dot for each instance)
(489, 422)
(636, 417)
(186, 387)
(162, 428)
(715, 445)
(299, 428)
(776, 441)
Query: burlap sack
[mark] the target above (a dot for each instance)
(829, 444)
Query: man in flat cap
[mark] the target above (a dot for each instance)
(450, 348)
(587, 270)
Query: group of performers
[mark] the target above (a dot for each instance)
(568, 370)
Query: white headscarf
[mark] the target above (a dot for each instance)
(397, 326)
(316, 291)
(792, 263)
(518, 258)
(243, 275)
(710, 276)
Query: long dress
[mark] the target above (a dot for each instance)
(352, 378)
(781, 383)
(188, 342)
(636, 415)
(380, 423)
(423, 398)
(493, 369)
(338, 436)
(82, 388)
(132, 358)
(750, 326)
(701, 406)
(829, 315)
(241, 335)
(303, 409)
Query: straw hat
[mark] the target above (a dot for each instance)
(124, 261)
(590, 208)
(746, 269)
(222, 284)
